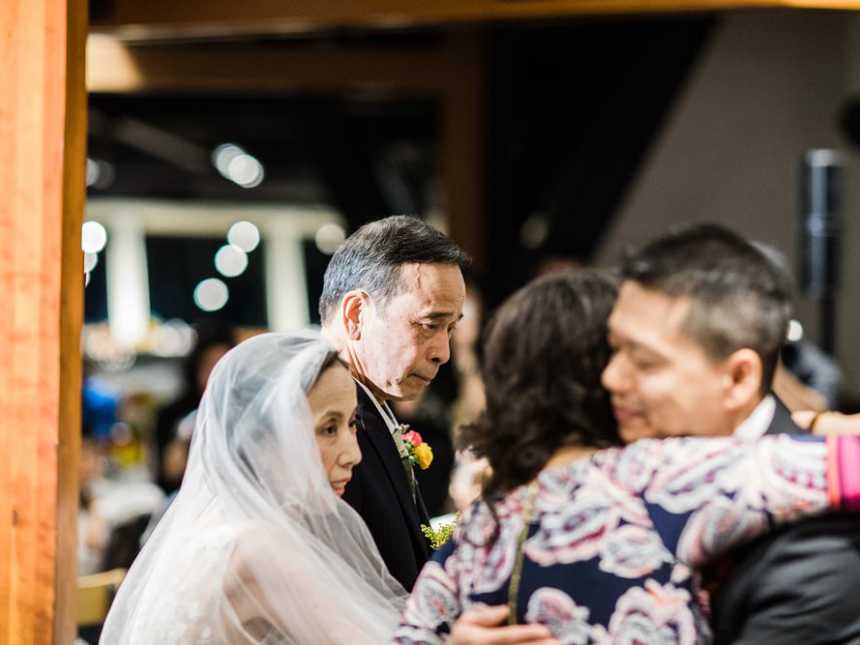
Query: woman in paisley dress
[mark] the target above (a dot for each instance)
(598, 543)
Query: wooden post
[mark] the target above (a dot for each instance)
(42, 161)
(462, 143)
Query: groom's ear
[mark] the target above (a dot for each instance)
(744, 374)
(352, 306)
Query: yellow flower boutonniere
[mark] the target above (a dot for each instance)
(420, 454)
(424, 456)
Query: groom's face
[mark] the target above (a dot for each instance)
(406, 339)
(661, 380)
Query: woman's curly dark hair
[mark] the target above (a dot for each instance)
(544, 352)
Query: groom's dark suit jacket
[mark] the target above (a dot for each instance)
(380, 493)
(799, 585)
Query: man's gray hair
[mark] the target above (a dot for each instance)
(370, 259)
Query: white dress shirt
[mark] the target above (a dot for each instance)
(757, 423)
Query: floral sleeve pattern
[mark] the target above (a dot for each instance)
(615, 543)
(722, 493)
(432, 608)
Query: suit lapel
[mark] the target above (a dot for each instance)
(782, 422)
(380, 439)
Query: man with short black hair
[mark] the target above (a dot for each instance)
(698, 326)
(696, 332)
(392, 294)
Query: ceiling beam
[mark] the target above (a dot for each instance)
(114, 66)
(216, 18)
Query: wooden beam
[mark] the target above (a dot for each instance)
(114, 66)
(169, 18)
(42, 145)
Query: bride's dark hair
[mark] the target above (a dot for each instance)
(544, 352)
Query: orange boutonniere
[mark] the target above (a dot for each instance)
(419, 453)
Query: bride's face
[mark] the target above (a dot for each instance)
(332, 402)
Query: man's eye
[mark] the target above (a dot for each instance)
(643, 363)
(431, 326)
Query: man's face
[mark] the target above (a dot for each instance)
(661, 381)
(404, 341)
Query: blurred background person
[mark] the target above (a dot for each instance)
(115, 507)
(214, 339)
(93, 531)
(465, 359)
(98, 405)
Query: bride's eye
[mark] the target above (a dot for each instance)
(328, 430)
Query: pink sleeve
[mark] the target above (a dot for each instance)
(843, 472)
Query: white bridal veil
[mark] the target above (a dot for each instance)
(256, 547)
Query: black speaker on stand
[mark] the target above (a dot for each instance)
(819, 239)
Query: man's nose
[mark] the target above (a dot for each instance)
(613, 378)
(440, 349)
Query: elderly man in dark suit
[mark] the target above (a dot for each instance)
(393, 293)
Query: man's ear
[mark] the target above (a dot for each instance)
(744, 372)
(352, 307)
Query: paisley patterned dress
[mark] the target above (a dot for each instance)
(613, 542)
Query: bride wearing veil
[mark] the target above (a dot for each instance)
(258, 547)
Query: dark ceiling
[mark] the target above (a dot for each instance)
(572, 110)
(357, 153)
